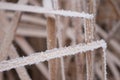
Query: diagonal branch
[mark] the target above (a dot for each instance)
(51, 54)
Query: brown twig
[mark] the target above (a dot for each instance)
(89, 25)
(51, 43)
(78, 5)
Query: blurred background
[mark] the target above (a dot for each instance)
(30, 36)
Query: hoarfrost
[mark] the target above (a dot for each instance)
(51, 54)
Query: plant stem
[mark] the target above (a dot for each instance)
(51, 43)
(89, 27)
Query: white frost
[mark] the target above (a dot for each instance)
(37, 9)
(50, 54)
(104, 63)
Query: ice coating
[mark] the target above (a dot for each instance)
(51, 54)
(42, 10)
(104, 63)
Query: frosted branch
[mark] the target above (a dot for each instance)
(37, 9)
(104, 64)
(51, 54)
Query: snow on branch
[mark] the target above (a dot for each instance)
(37, 9)
(50, 54)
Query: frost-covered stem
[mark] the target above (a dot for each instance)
(42, 10)
(89, 55)
(89, 25)
(50, 54)
(104, 64)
